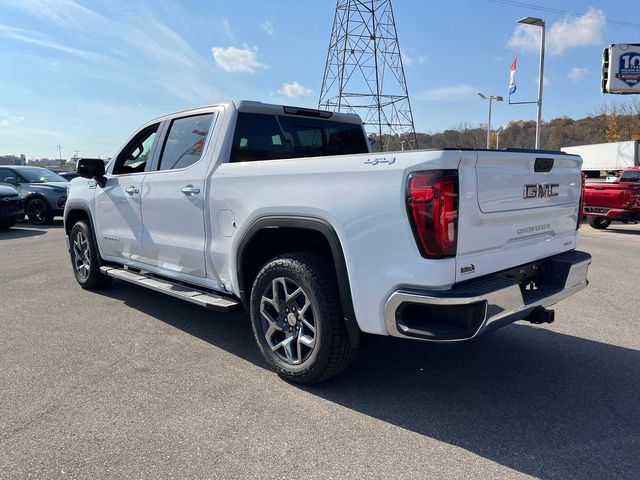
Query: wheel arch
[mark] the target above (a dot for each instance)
(285, 234)
(33, 195)
(76, 213)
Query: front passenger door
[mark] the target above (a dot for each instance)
(118, 203)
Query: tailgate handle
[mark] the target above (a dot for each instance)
(543, 165)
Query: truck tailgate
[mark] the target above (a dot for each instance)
(515, 208)
(605, 195)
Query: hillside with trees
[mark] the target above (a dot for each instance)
(609, 123)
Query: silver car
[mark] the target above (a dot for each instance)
(43, 192)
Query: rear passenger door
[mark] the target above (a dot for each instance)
(173, 198)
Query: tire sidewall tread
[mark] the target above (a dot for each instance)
(96, 278)
(333, 351)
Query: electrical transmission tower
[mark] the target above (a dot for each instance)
(364, 72)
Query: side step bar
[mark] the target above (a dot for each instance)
(204, 299)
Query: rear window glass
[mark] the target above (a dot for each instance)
(269, 137)
(630, 176)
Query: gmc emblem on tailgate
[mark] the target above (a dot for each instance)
(540, 190)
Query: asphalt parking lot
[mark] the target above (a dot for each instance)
(128, 383)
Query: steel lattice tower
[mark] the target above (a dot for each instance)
(364, 72)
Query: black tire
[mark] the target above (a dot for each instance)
(332, 350)
(6, 225)
(82, 248)
(599, 223)
(38, 211)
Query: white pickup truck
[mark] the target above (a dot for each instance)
(286, 212)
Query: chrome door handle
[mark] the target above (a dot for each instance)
(190, 190)
(132, 190)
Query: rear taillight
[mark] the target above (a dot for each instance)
(432, 202)
(581, 205)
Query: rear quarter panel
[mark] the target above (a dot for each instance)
(362, 199)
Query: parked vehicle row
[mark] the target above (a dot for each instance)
(286, 212)
(43, 192)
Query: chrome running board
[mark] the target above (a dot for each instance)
(199, 297)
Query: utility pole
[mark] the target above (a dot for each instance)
(60, 154)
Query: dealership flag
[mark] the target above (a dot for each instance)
(512, 79)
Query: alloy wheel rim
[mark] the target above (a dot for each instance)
(36, 209)
(81, 255)
(288, 321)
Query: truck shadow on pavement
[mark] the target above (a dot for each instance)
(20, 231)
(624, 231)
(540, 402)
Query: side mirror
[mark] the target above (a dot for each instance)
(92, 168)
(11, 180)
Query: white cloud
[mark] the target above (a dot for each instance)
(412, 58)
(36, 38)
(238, 60)
(564, 34)
(267, 26)
(577, 73)
(8, 120)
(134, 38)
(457, 92)
(294, 90)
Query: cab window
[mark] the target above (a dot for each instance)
(137, 153)
(268, 137)
(185, 141)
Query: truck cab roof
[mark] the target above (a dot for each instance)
(251, 106)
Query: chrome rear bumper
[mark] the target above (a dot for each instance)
(486, 303)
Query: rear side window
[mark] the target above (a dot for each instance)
(185, 141)
(269, 137)
(630, 176)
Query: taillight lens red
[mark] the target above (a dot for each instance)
(581, 205)
(432, 202)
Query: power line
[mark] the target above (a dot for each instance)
(594, 18)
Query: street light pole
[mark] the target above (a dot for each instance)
(540, 85)
(537, 22)
(491, 98)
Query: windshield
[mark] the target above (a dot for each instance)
(40, 175)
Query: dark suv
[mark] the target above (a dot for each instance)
(43, 192)
(10, 207)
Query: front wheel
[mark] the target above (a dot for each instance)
(599, 223)
(297, 318)
(38, 211)
(85, 259)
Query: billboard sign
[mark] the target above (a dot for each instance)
(621, 68)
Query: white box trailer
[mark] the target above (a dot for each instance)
(606, 157)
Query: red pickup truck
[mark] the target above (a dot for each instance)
(608, 202)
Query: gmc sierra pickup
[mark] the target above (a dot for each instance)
(285, 211)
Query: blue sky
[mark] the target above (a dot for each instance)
(85, 74)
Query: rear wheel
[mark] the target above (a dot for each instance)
(297, 319)
(599, 223)
(85, 259)
(6, 225)
(38, 211)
